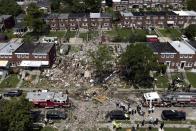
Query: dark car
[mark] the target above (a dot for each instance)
(116, 115)
(56, 114)
(173, 115)
(13, 93)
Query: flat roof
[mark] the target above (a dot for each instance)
(193, 44)
(182, 47)
(79, 15)
(185, 13)
(126, 14)
(35, 48)
(162, 47)
(9, 47)
(100, 15)
(3, 17)
(63, 16)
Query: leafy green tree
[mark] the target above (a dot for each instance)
(101, 60)
(191, 4)
(136, 64)
(55, 5)
(9, 7)
(15, 115)
(34, 19)
(190, 32)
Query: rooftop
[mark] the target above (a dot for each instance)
(185, 13)
(162, 47)
(193, 44)
(2, 17)
(63, 16)
(100, 15)
(34, 48)
(79, 15)
(182, 47)
(9, 47)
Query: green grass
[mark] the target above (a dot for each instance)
(10, 81)
(59, 34)
(88, 35)
(162, 81)
(103, 129)
(48, 129)
(174, 34)
(127, 35)
(177, 129)
(70, 34)
(192, 78)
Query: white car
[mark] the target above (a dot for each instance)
(183, 37)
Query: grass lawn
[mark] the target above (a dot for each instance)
(70, 34)
(59, 34)
(192, 78)
(10, 81)
(126, 35)
(48, 129)
(172, 33)
(177, 129)
(162, 81)
(88, 35)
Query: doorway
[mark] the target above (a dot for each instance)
(182, 65)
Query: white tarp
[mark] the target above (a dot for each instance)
(33, 63)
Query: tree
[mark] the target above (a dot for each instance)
(136, 64)
(191, 4)
(55, 5)
(34, 19)
(15, 115)
(190, 32)
(9, 7)
(101, 59)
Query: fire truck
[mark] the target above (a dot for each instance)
(47, 99)
(180, 98)
(169, 99)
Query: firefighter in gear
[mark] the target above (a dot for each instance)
(116, 125)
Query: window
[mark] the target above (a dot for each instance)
(162, 56)
(106, 24)
(185, 56)
(190, 64)
(172, 56)
(181, 56)
(190, 56)
(173, 64)
(167, 56)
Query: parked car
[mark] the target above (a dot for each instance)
(14, 93)
(183, 37)
(116, 115)
(173, 115)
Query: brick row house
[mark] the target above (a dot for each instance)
(157, 19)
(176, 55)
(75, 21)
(15, 53)
(120, 5)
